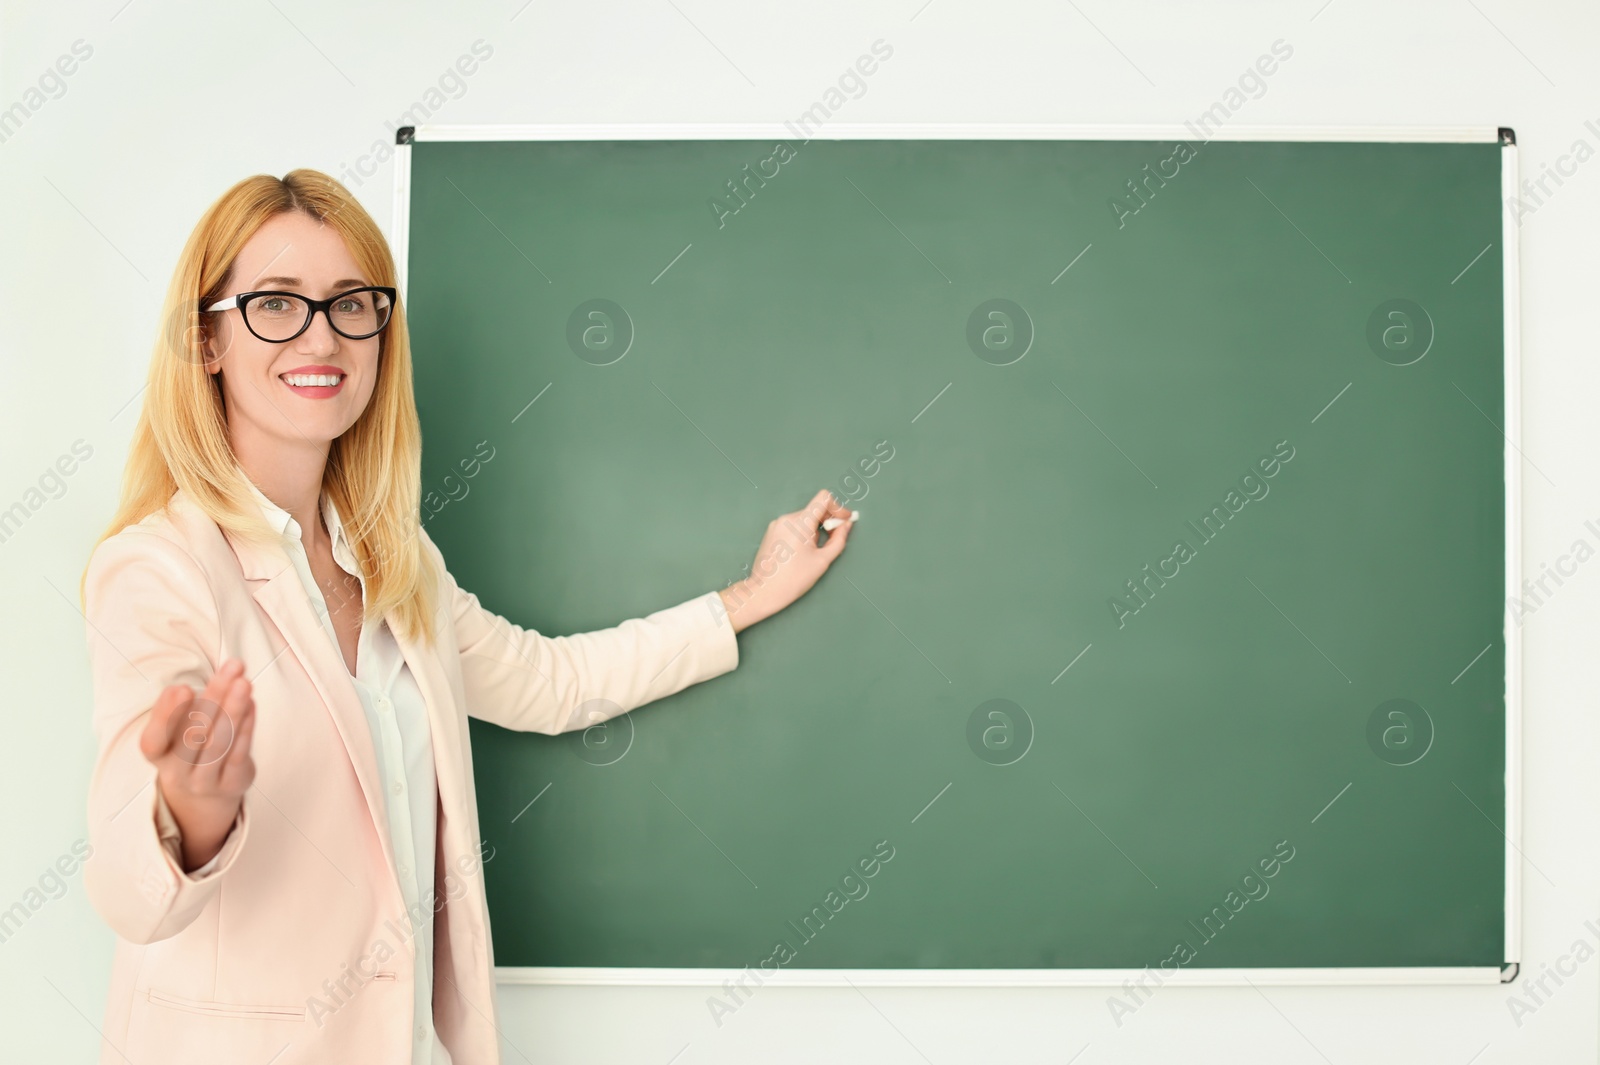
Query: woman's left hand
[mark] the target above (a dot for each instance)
(788, 562)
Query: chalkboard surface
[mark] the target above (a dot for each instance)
(1183, 518)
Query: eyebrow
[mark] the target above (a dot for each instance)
(337, 286)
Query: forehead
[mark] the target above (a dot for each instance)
(295, 245)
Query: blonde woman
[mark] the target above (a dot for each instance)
(284, 827)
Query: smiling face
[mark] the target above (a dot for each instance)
(266, 414)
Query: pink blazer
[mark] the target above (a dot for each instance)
(304, 911)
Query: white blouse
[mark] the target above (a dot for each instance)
(397, 717)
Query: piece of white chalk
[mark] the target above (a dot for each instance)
(833, 523)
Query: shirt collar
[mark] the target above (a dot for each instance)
(282, 522)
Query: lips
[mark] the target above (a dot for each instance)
(313, 367)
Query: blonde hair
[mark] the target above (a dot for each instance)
(374, 470)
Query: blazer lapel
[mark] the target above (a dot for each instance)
(277, 589)
(444, 722)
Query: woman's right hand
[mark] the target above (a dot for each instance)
(200, 747)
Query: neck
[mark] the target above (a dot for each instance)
(291, 478)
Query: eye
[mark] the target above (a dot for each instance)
(352, 305)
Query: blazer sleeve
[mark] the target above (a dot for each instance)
(520, 679)
(151, 621)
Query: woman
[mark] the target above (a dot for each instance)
(282, 812)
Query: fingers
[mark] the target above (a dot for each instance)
(217, 687)
(236, 710)
(822, 507)
(237, 769)
(812, 515)
(836, 541)
(210, 722)
(166, 718)
(184, 725)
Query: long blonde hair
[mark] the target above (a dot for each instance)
(374, 470)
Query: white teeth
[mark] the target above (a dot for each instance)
(302, 380)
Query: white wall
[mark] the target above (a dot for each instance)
(100, 186)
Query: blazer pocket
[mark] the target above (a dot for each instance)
(227, 1009)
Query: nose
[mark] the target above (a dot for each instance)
(319, 335)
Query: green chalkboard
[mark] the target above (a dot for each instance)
(1055, 737)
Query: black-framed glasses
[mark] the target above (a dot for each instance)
(278, 317)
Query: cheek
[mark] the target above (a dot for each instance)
(245, 373)
(369, 381)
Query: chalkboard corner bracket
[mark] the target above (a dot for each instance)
(407, 134)
(1508, 137)
(1508, 971)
